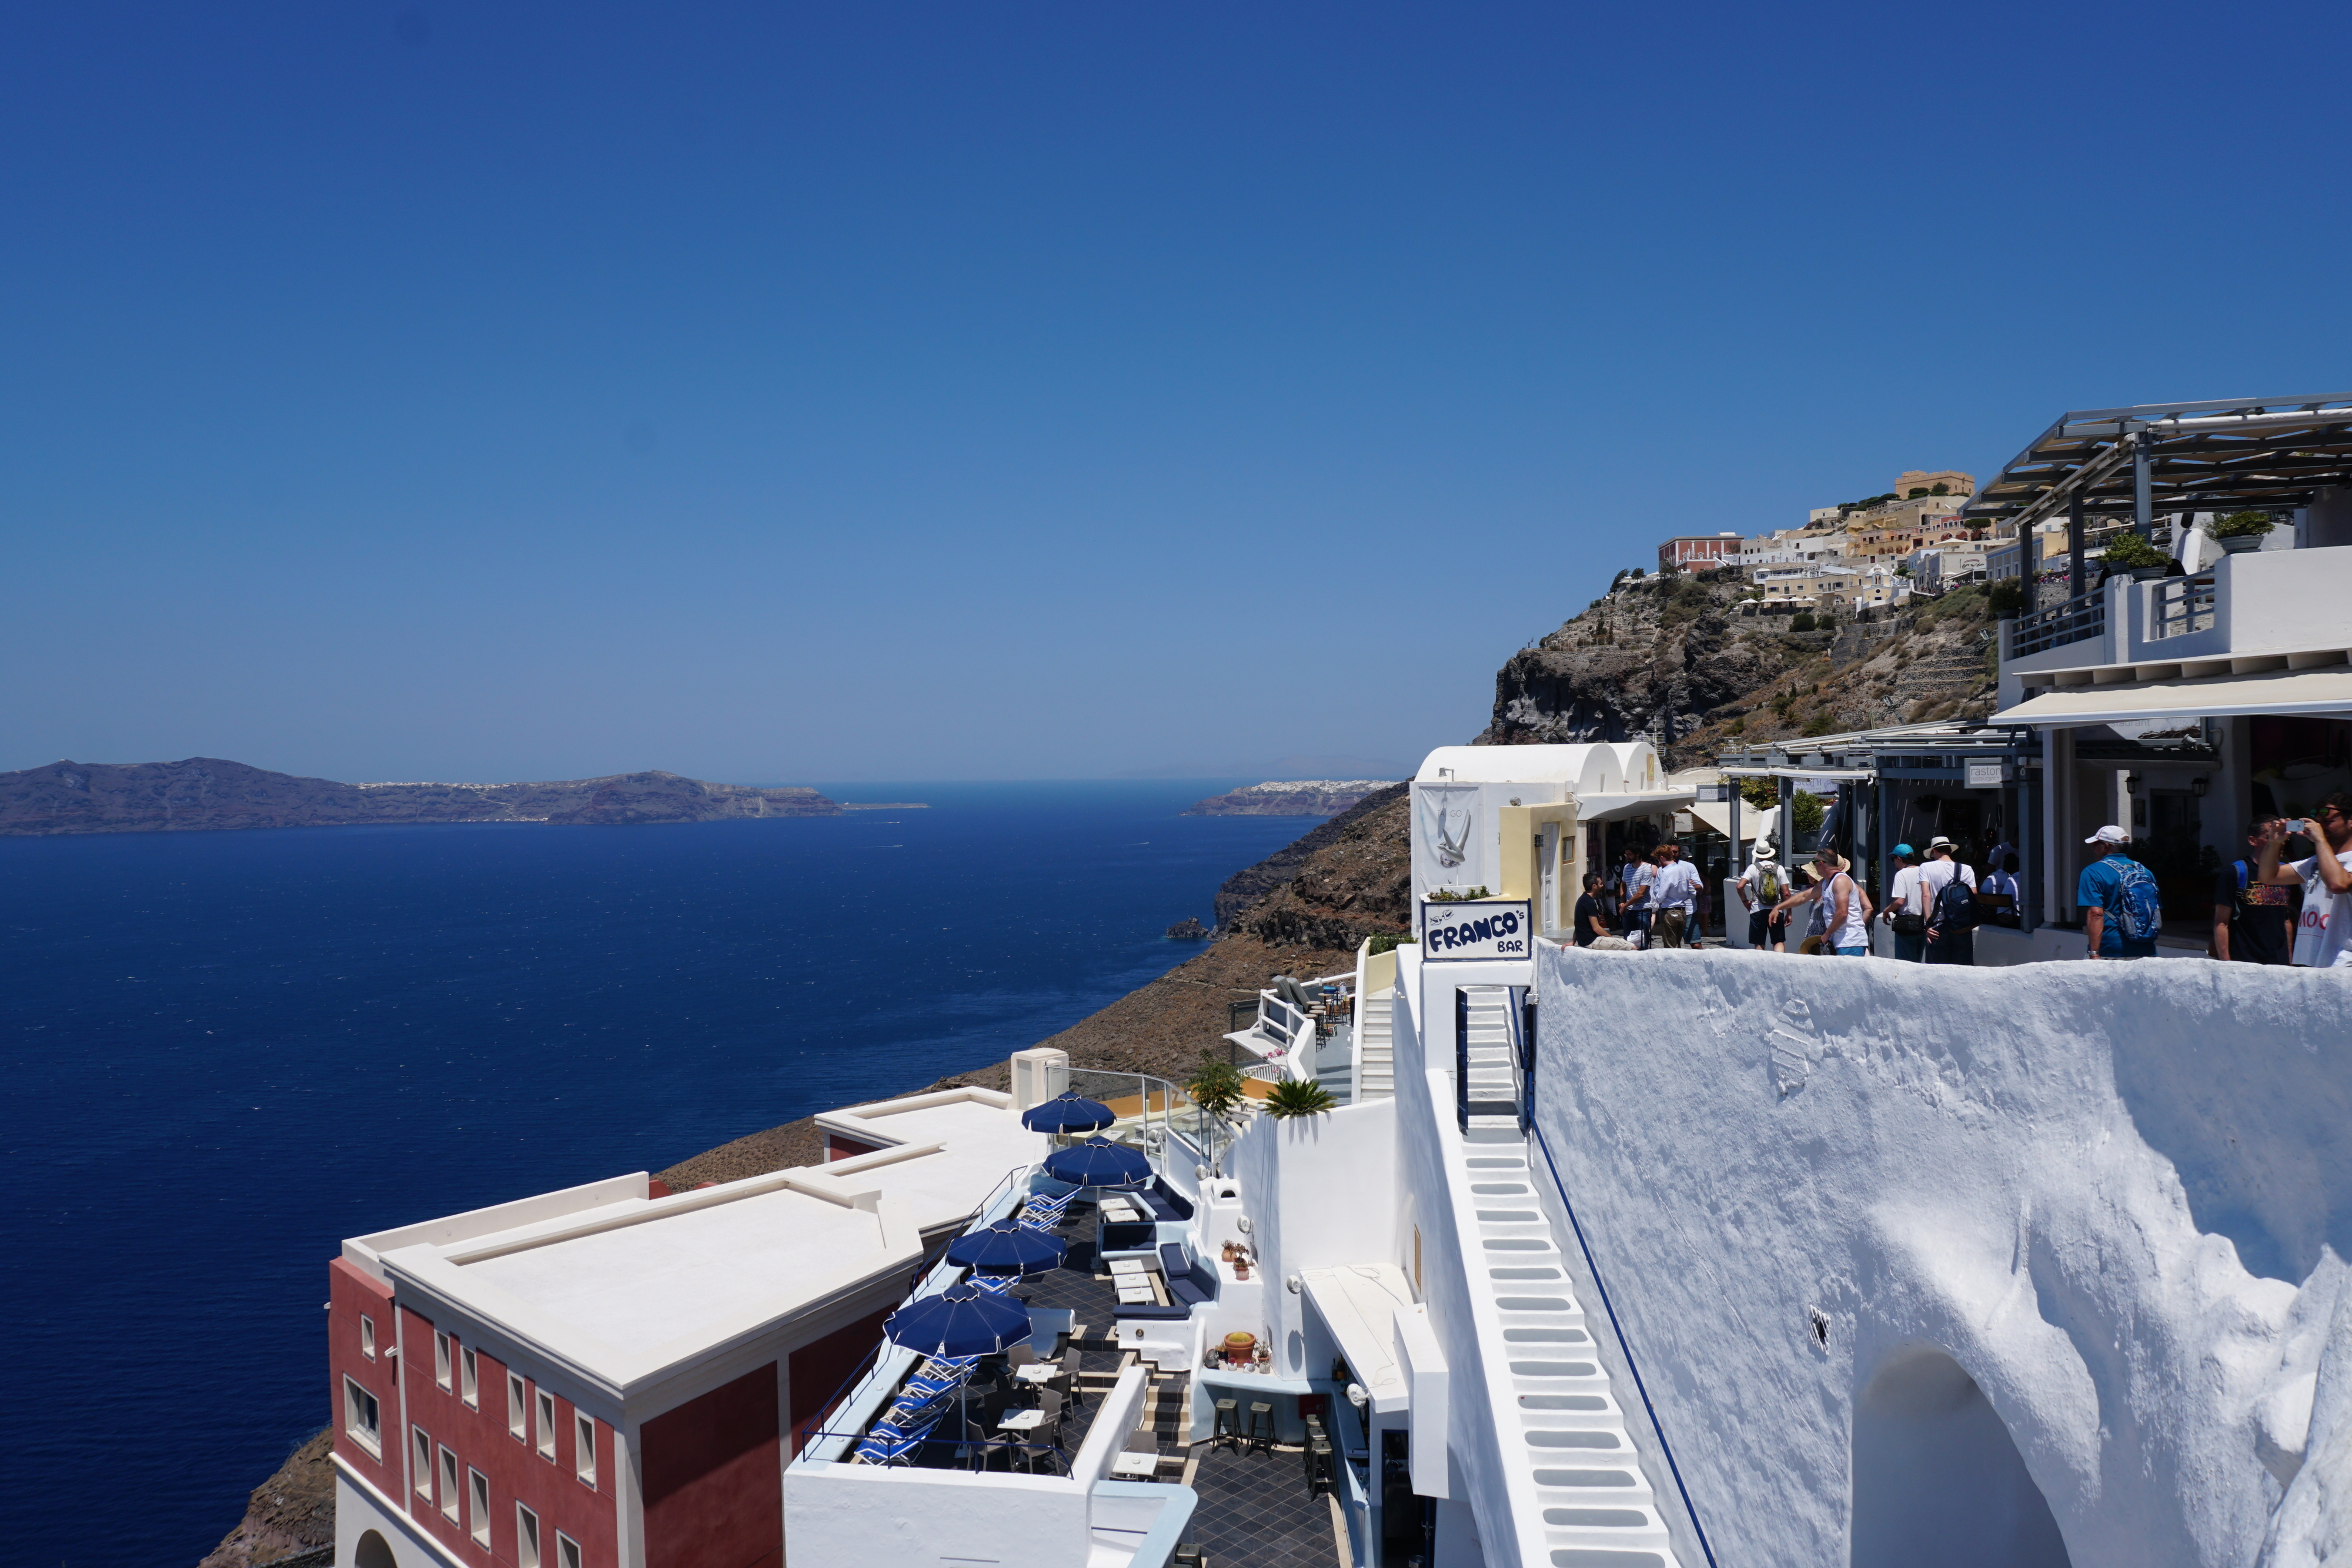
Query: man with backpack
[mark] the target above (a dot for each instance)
(1906, 912)
(2121, 913)
(1947, 897)
(2253, 920)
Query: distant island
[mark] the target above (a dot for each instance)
(1288, 798)
(207, 794)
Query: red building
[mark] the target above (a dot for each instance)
(1696, 550)
(614, 1376)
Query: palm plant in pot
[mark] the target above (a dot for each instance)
(1298, 1097)
(2243, 531)
(2131, 553)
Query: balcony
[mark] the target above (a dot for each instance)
(2268, 610)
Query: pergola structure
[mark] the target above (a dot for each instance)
(2268, 454)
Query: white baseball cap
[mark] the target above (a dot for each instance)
(2110, 834)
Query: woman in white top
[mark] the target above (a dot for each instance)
(1841, 909)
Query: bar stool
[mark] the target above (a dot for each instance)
(1260, 1435)
(1229, 1426)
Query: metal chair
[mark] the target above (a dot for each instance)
(1228, 1432)
(1260, 1433)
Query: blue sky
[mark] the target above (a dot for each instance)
(1032, 391)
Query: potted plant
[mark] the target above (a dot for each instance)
(1216, 1087)
(2131, 553)
(2241, 531)
(1295, 1097)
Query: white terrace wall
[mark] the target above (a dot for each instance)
(2113, 1194)
(1322, 1193)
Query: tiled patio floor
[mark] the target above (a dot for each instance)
(1256, 1513)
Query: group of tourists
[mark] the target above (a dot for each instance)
(1656, 900)
(2267, 909)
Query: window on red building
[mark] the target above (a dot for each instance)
(583, 1452)
(441, 1360)
(472, 1389)
(479, 1485)
(547, 1425)
(515, 1419)
(448, 1486)
(363, 1417)
(526, 1538)
(367, 1337)
(567, 1552)
(421, 1451)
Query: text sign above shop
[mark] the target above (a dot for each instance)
(1474, 928)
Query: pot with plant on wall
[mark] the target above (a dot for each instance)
(2131, 553)
(2243, 531)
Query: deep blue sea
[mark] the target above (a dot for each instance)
(228, 1051)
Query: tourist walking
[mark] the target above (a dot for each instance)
(1633, 893)
(1590, 921)
(1952, 916)
(1759, 888)
(1841, 909)
(2121, 912)
(2322, 938)
(1674, 895)
(2000, 883)
(1906, 915)
(2254, 921)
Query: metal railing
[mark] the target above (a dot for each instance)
(2080, 618)
(2183, 605)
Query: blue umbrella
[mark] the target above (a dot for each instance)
(959, 1321)
(1069, 1113)
(1007, 1248)
(1099, 1163)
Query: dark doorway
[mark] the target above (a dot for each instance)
(1937, 1481)
(1408, 1522)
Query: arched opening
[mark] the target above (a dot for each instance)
(373, 1552)
(1937, 1483)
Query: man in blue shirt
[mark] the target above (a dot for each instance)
(2100, 893)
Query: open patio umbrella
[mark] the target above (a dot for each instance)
(1099, 1163)
(1007, 1248)
(962, 1321)
(1067, 1112)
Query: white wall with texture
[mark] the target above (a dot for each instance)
(2114, 1196)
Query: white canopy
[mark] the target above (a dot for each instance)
(1359, 1302)
(2325, 691)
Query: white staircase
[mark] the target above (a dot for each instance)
(1578, 1495)
(1375, 1050)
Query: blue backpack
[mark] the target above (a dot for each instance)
(2136, 909)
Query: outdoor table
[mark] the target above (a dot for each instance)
(1038, 1372)
(1134, 1464)
(1135, 1295)
(1129, 1266)
(1119, 1212)
(1021, 1421)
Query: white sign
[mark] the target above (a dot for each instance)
(1984, 775)
(1474, 928)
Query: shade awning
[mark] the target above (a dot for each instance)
(1615, 807)
(1359, 1302)
(2318, 691)
(1716, 817)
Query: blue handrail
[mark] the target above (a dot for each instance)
(1624, 1344)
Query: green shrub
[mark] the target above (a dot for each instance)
(1808, 809)
(2006, 596)
(1389, 942)
(1761, 794)
(2238, 525)
(1803, 621)
(2130, 550)
(1298, 1097)
(1216, 1087)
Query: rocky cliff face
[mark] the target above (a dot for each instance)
(1672, 659)
(207, 793)
(1344, 863)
